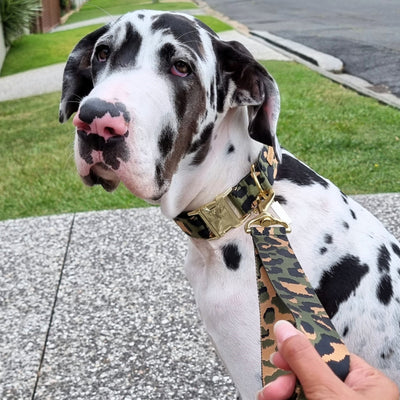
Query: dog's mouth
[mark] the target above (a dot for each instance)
(101, 174)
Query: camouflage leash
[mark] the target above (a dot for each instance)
(283, 289)
(285, 293)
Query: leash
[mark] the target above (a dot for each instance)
(284, 291)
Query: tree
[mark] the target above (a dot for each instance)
(17, 17)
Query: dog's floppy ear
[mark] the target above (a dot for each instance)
(254, 88)
(77, 79)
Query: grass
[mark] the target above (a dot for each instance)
(99, 8)
(350, 139)
(38, 174)
(40, 50)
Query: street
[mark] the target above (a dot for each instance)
(364, 34)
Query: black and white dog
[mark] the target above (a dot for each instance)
(178, 116)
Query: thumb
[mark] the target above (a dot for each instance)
(317, 379)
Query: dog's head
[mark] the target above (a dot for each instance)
(151, 91)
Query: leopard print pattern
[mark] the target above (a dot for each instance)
(285, 293)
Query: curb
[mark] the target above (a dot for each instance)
(325, 61)
(324, 64)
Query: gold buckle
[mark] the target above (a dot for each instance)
(265, 200)
(265, 197)
(220, 215)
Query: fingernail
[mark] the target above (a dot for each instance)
(284, 330)
(271, 358)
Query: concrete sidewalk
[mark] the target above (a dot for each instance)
(96, 305)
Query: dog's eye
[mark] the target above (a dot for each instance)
(180, 68)
(102, 53)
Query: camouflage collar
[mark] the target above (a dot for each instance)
(231, 208)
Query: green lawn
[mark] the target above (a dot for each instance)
(99, 8)
(348, 138)
(40, 50)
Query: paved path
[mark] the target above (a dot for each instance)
(96, 305)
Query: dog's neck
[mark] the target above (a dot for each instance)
(229, 158)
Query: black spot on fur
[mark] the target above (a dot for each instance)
(280, 199)
(140, 16)
(158, 175)
(384, 291)
(323, 250)
(387, 354)
(166, 141)
(231, 256)
(183, 29)
(353, 214)
(298, 173)
(396, 249)
(166, 53)
(114, 149)
(383, 259)
(337, 284)
(328, 239)
(212, 95)
(346, 225)
(222, 90)
(202, 145)
(345, 331)
(231, 149)
(344, 197)
(97, 108)
(126, 55)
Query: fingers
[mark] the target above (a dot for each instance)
(280, 389)
(279, 362)
(314, 375)
(369, 382)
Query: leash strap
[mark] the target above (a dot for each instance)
(285, 293)
(283, 289)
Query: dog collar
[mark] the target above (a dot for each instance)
(231, 208)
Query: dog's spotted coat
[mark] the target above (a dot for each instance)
(178, 116)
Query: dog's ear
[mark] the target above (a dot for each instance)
(77, 79)
(254, 88)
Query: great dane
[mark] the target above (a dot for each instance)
(177, 115)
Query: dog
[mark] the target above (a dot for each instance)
(178, 115)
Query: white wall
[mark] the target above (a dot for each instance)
(2, 46)
(78, 3)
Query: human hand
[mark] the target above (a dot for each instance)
(296, 354)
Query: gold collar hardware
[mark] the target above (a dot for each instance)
(220, 215)
(265, 200)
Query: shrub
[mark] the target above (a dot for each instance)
(17, 17)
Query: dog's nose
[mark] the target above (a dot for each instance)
(101, 117)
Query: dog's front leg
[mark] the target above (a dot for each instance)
(222, 274)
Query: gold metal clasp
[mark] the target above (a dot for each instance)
(220, 215)
(265, 197)
(266, 220)
(265, 200)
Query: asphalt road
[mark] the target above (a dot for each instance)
(364, 34)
